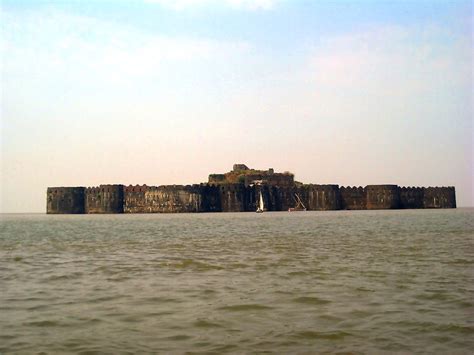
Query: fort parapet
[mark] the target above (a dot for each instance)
(239, 191)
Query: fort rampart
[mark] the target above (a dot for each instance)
(65, 200)
(232, 193)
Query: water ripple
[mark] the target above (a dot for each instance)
(326, 282)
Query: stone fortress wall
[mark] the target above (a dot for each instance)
(104, 199)
(65, 200)
(239, 191)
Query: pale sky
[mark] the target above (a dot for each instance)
(165, 92)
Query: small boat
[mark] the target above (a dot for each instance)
(261, 206)
(299, 205)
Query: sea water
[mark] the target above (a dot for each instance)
(302, 282)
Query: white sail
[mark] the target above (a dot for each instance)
(260, 204)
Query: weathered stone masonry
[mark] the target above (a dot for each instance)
(238, 191)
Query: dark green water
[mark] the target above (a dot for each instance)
(303, 282)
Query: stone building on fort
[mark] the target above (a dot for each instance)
(238, 191)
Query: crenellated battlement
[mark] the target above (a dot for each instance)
(382, 197)
(104, 199)
(353, 198)
(239, 191)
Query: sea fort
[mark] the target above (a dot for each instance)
(239, 191)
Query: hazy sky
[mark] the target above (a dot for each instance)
(163, 92)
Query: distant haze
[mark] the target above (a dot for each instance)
(166, 92)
